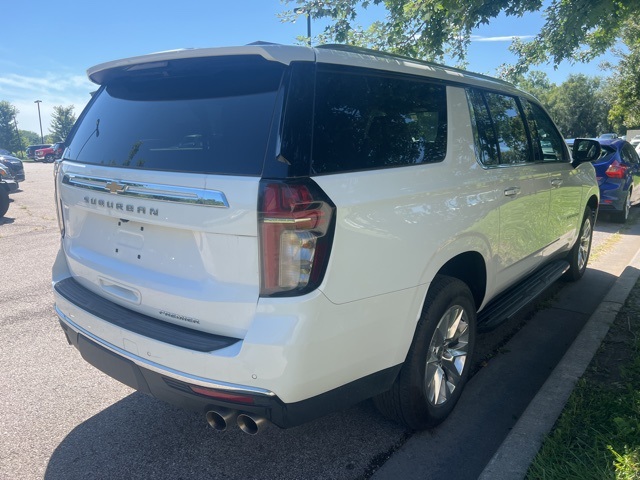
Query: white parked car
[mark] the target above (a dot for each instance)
(343, 225)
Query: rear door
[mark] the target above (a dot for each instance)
(503, 146)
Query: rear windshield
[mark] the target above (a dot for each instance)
(607, 153)
(208, 115)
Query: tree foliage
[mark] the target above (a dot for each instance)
(625, 84)
(62, 121)
(575, 30)
(536, 83)
(9, 137)
(429, 29)
(29, 137)
(580, 106)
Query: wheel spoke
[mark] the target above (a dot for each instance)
(436, 384)
(439, 336)
(453, 365)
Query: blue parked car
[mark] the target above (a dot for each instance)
(618, 172)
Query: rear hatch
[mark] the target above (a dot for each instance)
(159, 185)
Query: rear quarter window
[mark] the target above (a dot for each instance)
(210, 115)
(367, 120)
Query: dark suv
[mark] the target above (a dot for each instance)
(31, 150)
(14, 165)
(7, 185)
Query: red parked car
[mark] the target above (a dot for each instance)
(51, 153)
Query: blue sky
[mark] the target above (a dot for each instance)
(47, 47)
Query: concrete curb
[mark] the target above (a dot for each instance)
(518, 450)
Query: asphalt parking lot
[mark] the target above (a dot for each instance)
(62, 419)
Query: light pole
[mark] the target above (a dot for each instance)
(40, 120)
(303, 11)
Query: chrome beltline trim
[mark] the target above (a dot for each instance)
(149, 191)
(161, 369)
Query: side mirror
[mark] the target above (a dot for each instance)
(585, 150)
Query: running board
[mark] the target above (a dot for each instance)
(508, 303)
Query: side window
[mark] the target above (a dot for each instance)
(483, 132)
(510, 129)
(499, 129)
(549, 145)
(629, 154)
(365, 121)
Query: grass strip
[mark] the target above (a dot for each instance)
(598, 434)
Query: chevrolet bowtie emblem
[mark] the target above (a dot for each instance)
(115, 187)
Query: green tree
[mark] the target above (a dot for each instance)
(29, 138)
(536, 83)
(580, 106)
(429, 29)
(625, 83)
(62, 120)
(9, 138)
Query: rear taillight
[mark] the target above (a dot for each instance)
(296, 222)
(616, 170)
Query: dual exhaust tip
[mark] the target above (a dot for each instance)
(221, 419)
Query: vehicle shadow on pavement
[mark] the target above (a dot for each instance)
(141, 437)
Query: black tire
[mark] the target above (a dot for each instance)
(436, 353)
(49, 158)
(4, 201)
(578, 256)
(623, 215)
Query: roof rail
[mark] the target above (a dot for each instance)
(379, 53)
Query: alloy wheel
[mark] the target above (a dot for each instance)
(447, 355)
(585, 244)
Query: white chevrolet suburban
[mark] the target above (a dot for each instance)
(269, 233)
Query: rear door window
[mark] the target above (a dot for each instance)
(499, 129)
(210, 115)
(366, 120)
(510, 129)
(484, 134)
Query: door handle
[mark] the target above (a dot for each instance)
(512, 192)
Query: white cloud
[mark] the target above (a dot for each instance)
(53, 89)
(480, 38)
